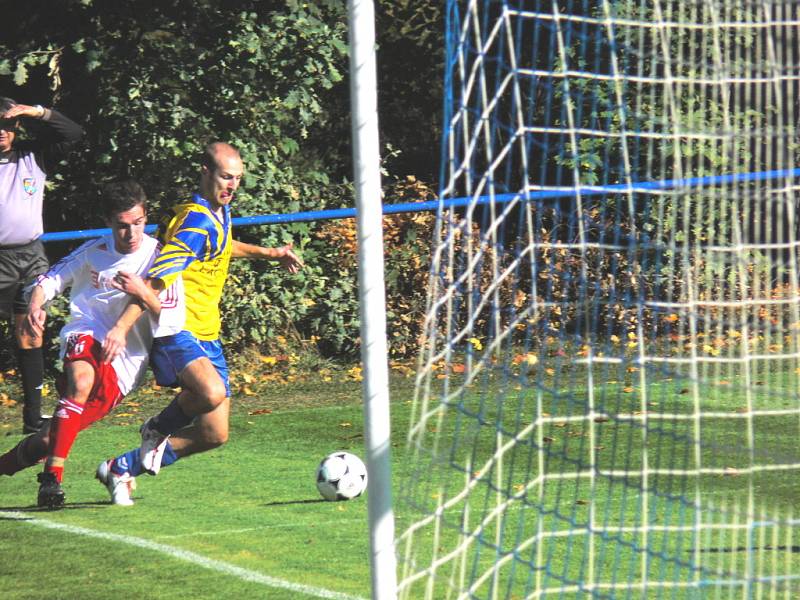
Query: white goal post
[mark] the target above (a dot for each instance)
(372, 301)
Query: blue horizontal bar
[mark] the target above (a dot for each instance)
(431, 205)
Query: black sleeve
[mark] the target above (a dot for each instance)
(55, 135)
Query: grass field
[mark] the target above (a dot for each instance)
(575, 519)
(246, 521)
(243, 521)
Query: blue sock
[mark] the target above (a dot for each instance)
(172, 418)
(131, 461)
(169, 456)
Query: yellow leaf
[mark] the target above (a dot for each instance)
(476, 343)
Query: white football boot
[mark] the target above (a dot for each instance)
(119, 486)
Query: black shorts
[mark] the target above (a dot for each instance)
(19, 266)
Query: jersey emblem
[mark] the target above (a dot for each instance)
(29, 185)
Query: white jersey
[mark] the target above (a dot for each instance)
(95, 305)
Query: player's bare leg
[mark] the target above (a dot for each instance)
(202, 391)
(208, 431)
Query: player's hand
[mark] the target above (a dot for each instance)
(130, 283)
(114, 344)
(289, 260)
(34, 322)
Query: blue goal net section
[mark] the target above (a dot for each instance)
(608, 393)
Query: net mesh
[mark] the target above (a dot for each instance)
(607, 398)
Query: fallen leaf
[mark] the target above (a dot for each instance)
(6, 401)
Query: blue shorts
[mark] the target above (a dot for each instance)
(171, 354)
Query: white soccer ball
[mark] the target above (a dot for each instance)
(341, 476)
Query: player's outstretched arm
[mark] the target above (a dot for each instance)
(284, 254)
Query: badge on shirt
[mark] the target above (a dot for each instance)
(29, 185)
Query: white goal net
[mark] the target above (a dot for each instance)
(608, 394)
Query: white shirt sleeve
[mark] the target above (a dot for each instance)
(62, 274)
(173, 311)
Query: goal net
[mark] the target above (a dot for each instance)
(608, 394)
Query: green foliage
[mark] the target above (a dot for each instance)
(153, 83)
(333, 301)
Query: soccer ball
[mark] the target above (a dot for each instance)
(341, 476)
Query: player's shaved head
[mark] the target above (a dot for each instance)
(215, 152)
(221, 173)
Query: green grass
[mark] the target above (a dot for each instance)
(567, 523)
(252, 505)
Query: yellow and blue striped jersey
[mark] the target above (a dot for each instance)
(197, 245)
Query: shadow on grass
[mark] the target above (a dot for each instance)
(751, 549)
(41, 509)
(291, 502)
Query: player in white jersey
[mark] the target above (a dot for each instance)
(101, 274)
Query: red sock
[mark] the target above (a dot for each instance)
(25, 454)
(63, 430)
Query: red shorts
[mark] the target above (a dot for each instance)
(105, 394)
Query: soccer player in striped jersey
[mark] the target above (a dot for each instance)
(103, 274)
(197, 245)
